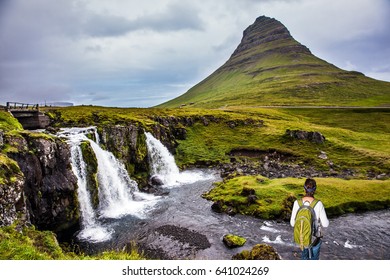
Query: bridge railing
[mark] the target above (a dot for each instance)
(22, 106)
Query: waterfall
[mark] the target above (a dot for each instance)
(92, 230)
(118, 193)
(163, 165)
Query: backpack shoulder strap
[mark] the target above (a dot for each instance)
(300, 202)
(314, 203)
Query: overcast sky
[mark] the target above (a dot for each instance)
(129, 53)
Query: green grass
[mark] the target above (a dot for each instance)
(363, 149)
(8, 122)
(355, 138)
(32, 244)
(275, 196)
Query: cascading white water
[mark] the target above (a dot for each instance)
(118, 194)
(92, 230)
(163, 165)
(162, 162)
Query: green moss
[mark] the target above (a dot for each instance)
(141, 152)
(9, 170)
(233, 241)
(258, 252)
(92, 169)
(8, 122)
(275, 197)
(31, 244)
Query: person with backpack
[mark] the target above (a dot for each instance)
(307, 217)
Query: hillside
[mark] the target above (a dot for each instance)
(269, 67)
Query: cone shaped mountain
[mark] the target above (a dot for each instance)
(269, 67)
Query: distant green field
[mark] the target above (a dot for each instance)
(355, 138)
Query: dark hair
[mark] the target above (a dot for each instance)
(310, 187)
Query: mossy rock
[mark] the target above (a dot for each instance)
(92, 168)
(233, 241)
(258, 252)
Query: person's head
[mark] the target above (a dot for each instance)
(310, 187)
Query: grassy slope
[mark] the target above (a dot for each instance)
(31, 244)
(280, 72)
(347, 144)
(9, 169)
(8, 122)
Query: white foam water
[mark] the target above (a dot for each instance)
(349, 245)
(267, 226)
(278, 240)
(163, 165)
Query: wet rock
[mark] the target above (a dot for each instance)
(217, 206)
(156, 181)
(233, 241)
(173, 242)
(50, 187)
(156, 190)
(247, 191)
(128, 144)
(231, 211)
(258, 252)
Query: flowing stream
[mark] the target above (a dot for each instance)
(181, 224)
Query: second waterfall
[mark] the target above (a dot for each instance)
(163, 165)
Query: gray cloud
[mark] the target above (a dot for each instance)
(175, 17)
(131, 53)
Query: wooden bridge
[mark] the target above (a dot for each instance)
(28, 115)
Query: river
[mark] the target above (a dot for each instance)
(179, 223)
(362, 236)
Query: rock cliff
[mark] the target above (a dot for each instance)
(47, 188)
(11, 192)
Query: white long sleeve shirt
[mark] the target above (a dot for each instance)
(319, 209)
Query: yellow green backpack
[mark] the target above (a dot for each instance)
(305, 224)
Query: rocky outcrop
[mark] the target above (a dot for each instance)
(91, 170)
(128, 144)
(11, 192)
(265, 37)
(312, 136)
(50, 187)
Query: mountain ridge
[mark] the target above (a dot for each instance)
(269, 67)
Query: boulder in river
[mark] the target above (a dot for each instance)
(258, 252)
(156, 181)
(233, 241)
